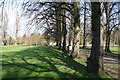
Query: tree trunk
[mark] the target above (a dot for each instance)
(84, 28)
(56, 36)
(76, 30)
(60, 33)
(102, 40)
(93, 60)
(64, 31)
(70, 35)
(107, 48)
(58, 27)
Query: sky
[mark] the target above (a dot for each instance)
(12, 7)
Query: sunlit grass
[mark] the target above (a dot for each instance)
(114, 49)
(41, 62)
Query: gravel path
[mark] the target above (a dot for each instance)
(110, 63)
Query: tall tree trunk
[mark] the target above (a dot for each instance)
(70, 35)
(17, 27)
(58, 26)
(107, 48)
(84, 28)
(64, 30)
(93, 60)
(76, 30)
(60, 31)
(102, 38)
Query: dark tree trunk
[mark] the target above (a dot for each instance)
(84, 28)
(56, 42)
(107, 10)
(64, 40)
(107, 46)
(93, 60)
(57, 30)
(60, 29)
(5, 42)
(58, 26)
(64, 31)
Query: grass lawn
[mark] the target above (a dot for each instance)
(21, 62)
(114, 49)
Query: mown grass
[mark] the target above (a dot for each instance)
(114, 49)
(22, 62)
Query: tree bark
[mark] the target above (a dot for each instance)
(107, 10)
(102, 38)
(76, 31)
(64, 30)
(107, 46)
(93, 60)
(84, 28)
(58, 26)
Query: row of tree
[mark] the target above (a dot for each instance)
(63, 23)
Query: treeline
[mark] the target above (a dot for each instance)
(29, 40)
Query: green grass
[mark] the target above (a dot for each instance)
(114, 49)
(40, 62)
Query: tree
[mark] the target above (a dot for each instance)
(76, 31)
(10, 41)
(3, 26)
(93, 60)
(17, 25)
(47, 38)
(64, 30)
(84, 28)
(59, 25)
(111, 21)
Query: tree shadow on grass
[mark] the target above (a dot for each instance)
(42, 63)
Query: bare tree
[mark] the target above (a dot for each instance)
(17, 25)
(111, 18)
(3, 26)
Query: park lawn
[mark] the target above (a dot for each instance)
(114, 49)
(40, 62)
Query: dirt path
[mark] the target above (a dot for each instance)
(110, 63)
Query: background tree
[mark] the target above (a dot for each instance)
(111, 17)
(3, 26)
(17, 25)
